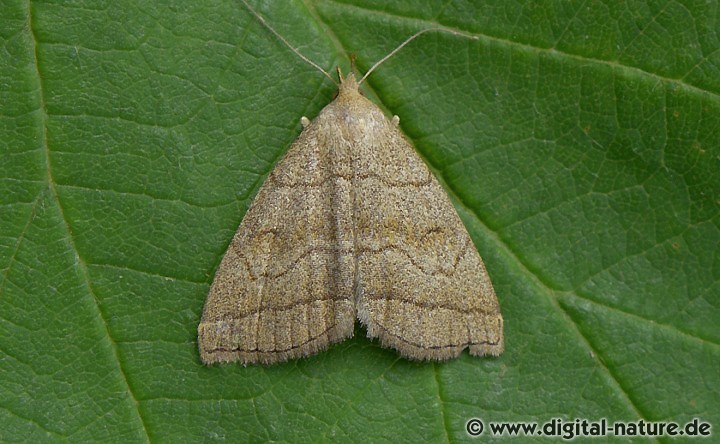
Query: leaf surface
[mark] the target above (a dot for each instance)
(579, 141)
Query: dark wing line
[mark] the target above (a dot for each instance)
(362, 251)
(434, 347)
(293, 347)
(329, 176)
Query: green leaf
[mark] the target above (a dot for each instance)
(579, 141)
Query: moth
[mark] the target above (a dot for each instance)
(350, 224)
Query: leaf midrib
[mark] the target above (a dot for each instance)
(51, 188)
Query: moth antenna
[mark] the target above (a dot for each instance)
(282, 39)
(410, 39)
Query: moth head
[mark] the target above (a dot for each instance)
(349, 83)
